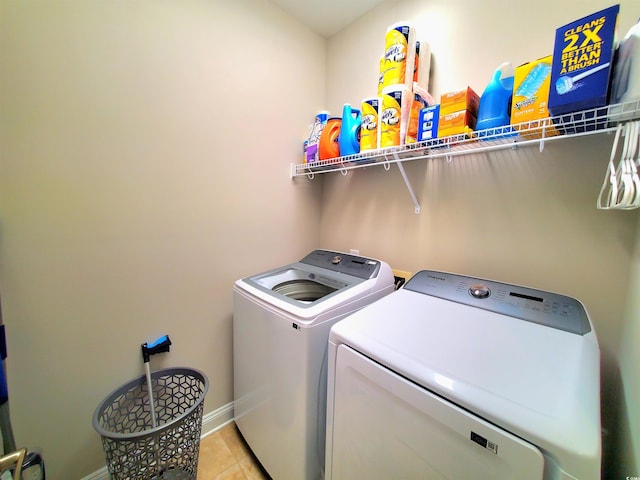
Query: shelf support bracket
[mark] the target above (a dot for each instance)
(407, 183)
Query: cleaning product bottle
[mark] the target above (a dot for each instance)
(328, 146)
(311, 144)
(625, 84)
(495, 103)
(349, 139)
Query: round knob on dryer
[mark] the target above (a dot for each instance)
(336, 260)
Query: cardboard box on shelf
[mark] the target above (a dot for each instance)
(456, 123)
(428, 123)
(582, 62)
(459, 100)
(531, 91)
(530, 98)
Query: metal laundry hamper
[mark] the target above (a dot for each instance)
(135, 449)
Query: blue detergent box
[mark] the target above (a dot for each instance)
(582, 62)
(428, 123)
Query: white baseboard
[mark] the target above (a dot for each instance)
(211, 422)
(101, 474)
(217, 419)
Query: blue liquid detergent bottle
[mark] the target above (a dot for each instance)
(349, 139)
(494, 111)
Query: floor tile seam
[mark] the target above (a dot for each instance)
(236, 464)
(228, 455)
(247, 470)
(238, 453)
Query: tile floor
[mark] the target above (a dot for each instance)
(224, 455)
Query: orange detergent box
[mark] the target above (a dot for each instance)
(459, 100)
(456, 123)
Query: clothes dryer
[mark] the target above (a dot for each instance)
(281, 322)
(456, 377)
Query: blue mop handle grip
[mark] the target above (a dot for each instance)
(161, 345)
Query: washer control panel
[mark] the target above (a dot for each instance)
(357, 266)
(537, 306)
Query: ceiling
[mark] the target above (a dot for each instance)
(326, 17)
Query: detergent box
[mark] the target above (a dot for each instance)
(428, 123)
(455, 123)
(459, 100)
(582, 62)
(529, 106)
(531, 91)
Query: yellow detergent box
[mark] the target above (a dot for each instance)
(531, 96)
(459, 100)
(456, 123)
(531, 91)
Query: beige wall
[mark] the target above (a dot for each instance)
(517, 216)
(145, 151)
(144, 154)
(628, 442)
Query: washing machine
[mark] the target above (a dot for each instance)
(281, 322)
(455, 377)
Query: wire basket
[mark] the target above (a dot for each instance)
(133, 448)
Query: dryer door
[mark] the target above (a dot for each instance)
(387, 427)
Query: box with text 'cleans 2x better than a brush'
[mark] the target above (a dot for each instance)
(582, 62)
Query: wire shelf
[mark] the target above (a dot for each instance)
(585, 122)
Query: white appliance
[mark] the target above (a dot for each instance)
(281, 322)
(454, 377)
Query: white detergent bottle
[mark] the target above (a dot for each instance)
(625, 84)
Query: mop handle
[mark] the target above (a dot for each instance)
(154, 424)
(161, 345)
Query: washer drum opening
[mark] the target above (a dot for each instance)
(303, 290)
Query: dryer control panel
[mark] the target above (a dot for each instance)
(357, 266)
(537, 306)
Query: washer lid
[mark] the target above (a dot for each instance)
(536, 381)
